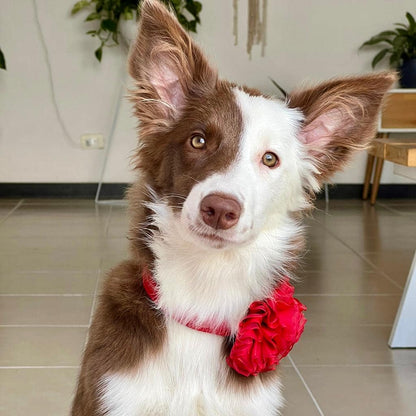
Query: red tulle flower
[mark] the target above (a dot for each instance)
(268, 332)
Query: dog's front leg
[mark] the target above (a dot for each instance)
(126, 329)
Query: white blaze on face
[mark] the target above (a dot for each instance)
(265, 194)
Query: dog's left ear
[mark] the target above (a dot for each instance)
(167, 66)
(340, 116)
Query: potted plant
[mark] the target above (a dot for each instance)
(400, 44)
(110, 13)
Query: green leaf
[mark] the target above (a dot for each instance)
(192, 26)
(2, 60)
(109, 25)
(402, 25)
(79, 6)
(99, 53)
(379, 57)
(91, 32)
(394, 60)
(193, 7)
(399, 41)
(128, 15)
(92, 16)
(402, 32)
(387, 33)
(376, 39)
(412, 22)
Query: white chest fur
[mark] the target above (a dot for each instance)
(187, 378)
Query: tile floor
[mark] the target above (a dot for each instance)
(54, 254)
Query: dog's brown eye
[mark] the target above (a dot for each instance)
(198, 142)
(270, 160)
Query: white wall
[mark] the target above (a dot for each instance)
(307, 41)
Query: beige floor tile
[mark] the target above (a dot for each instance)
(37, 392)
(115, 250)
(87, 203)
(344, 282)
(45, 310)
(58, 282)
(403, 208)
(403, 201)
(298, 400)
(395, 263)
(48, 243)
(56, 221)
(119, 222)
(34, 227)
(364, 244)
(71, 260)
(335, 263)
(39, 346)
(325, 245)
(349, 345)
(363, 391)
(6, 207)
(351, 310)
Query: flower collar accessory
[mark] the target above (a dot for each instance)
(265, 335)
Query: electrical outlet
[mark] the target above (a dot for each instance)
(92, 141)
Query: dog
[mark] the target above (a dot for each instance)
(224, 176)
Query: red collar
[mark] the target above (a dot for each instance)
(265, 335)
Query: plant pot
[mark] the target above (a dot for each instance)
(408, 73)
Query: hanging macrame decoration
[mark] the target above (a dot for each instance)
(257, 24)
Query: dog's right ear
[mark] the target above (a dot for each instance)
(167, 65)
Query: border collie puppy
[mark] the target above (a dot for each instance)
(198, 318)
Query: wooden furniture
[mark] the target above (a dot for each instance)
(398, 116)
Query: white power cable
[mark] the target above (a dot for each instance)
(67, 136)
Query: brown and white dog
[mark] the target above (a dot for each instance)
(224, 173)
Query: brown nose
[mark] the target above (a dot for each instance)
(220, 211)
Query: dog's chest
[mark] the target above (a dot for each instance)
(189, 378)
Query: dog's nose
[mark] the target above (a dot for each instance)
(220, 211)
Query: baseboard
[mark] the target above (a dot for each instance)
(386, 191)
(62, 190)
(117, 190)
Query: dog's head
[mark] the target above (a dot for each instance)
(227, 161)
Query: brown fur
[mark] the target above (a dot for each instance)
(357, 102)
(126, 329)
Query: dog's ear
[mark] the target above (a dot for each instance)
(340, 116)
(167, 65)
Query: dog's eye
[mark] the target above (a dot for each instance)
(198, 142)
(270, 160)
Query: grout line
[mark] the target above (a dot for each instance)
(397, 212)
(43, 326)
(94, 299)
(351, 365)
(37, 367)
(97, 282)
(16, 207)
(66, 295)
(349, 294)
(369, 262)
(318, 408)
(347, 325)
